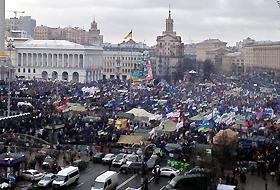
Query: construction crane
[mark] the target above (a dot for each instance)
(278, 2)
(17, 12)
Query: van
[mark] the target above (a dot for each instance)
(66, 177)
(106, 181)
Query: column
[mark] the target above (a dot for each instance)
(63, 64)
(79, 60)
(68, 60)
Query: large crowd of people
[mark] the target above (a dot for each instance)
(246, 104)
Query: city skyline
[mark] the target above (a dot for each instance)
(230, 20)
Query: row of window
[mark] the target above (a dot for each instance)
(113, 70)
(123, 58)
(110, 64)
(26, 70)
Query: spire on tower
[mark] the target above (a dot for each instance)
(169, 17)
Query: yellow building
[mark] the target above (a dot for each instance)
(209, 49)
(265, 56)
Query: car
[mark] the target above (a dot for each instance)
(47, 180)
(132, 158)
(98, 157)
(119, 160)
(153, 161)
(32, 175)
(134, 167)
(108, 158)
(180, 182)
(48, 162)
(198, 170)
(81, 164)
(169, 172)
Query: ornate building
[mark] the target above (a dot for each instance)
(94, 36)
(169, 52)
(59, 60)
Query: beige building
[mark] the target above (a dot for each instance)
(120, 64)
(76, 34)
(233, 62)
(265, 55)
(169, 52)
(211, 49)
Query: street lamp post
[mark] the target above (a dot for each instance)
(10, 46)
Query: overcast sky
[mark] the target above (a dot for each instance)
(195, 20)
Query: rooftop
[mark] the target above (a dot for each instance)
(213, 41)
(55, 44)
(234, 54)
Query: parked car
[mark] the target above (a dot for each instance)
(134, 167)
(48, 163)
(81, 164)
(119, 160)
(47, 180)
(97, 157)
(108, 158)
(132, 158)
(153, 161)
(169, 172)
(195, 181)
(32, 175)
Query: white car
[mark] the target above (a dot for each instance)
(169, 172)
(108, 158)
(132, 158)
(32, 175)
(47, 180)
(119, 160)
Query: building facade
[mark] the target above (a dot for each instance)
(234, 62)
(169, 52)
(263, 56)
(76, 34)
(23, 23)
(120, 60)
(120, 64)
(211, 49)
(59, 60)
(190, 51)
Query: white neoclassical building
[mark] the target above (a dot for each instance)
(59, 60)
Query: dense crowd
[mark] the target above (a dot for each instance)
(253, 100)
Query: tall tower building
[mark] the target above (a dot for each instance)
(2, 25)
(169, 52)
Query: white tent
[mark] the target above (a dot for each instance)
(142, 113)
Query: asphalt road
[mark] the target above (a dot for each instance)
(88, 176)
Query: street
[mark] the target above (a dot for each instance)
(88, 176)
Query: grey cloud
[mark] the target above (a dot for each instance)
(230, 20)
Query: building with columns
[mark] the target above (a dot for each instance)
(169, 52)
(59, 60)
(264, 56)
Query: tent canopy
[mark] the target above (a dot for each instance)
(131, 139)
(166, 126)
(137, 112)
